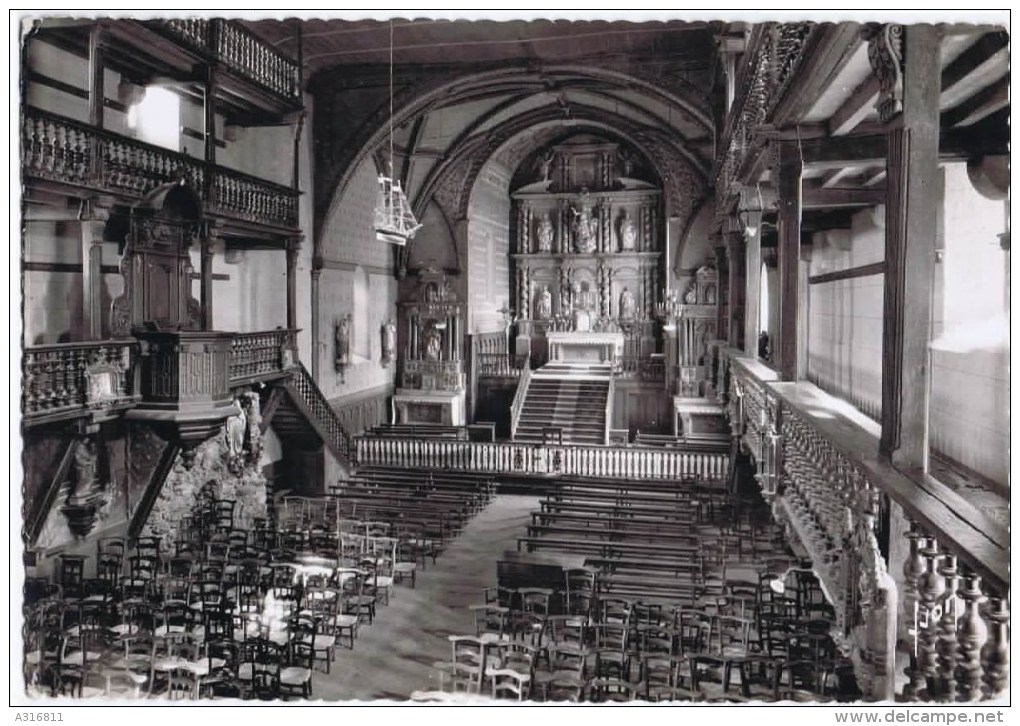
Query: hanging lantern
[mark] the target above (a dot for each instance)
(394, 220)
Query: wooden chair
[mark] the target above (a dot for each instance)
(509, 681)
(490, 620)
(611, 689)
(466, 667)
(296, 676)
(266, 669)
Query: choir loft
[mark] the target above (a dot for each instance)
(548, 361)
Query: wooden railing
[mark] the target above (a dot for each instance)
(64, 150)
(255, 356)
(68, 379)
(642, 368)
(818, 463)
(239, 50)
(517, 407)
(541, 459)
(774, 52)
(492, 357)
(65, 380)
(321, 414)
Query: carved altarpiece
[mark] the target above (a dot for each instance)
(587, 230)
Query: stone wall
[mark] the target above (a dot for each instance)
(227, 466)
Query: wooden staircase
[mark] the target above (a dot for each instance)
(570, 398)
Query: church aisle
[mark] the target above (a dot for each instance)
(394, 656)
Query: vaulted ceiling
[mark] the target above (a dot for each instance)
(464, 91)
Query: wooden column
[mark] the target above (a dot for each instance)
(293, 247)
(722, 267)
(789, 207)
(751, 221)
(210, 114)
(316, 275)
(205, 274)
(736, 254)
(97, 66)
(910, 243)
(94, 215)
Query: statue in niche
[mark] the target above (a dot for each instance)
(545, 234)
(585, 230)
(544, 307)
(626, 305)
(389, 341)
(710, 294)
(343, 342)
(546, 164)
(433, 343)
(628, 233)
(626, 163)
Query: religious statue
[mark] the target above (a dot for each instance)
(628, 233)
(389, 341)
(546, 164)
(433, 343)
(544, 308)
(545, 234)
(585, 230)
(343, 342)
(626, 305)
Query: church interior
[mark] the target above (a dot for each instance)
(576, 361)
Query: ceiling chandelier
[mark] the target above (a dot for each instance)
(394, 221)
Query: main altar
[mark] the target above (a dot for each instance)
(585, 347)
(588, 265)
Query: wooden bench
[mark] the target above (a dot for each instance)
(614, 534)
(610, 520)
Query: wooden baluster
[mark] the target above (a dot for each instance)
(929, 592)
(913, 569)
(995, 653)
(972, 633)
(947, 638)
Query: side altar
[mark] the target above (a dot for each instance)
(431, 381)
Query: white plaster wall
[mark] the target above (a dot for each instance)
(350, 251)
(969, 409)
(488, 248)
(845, 322)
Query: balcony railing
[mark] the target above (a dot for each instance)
(239, 50)
(256, 356)
(774, 52)
(63, 150)
(325, 418)
(817, 461)
(66, 380)
(63, 380)
(541, 459)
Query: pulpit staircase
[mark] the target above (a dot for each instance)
(305, 411)
(571, 398)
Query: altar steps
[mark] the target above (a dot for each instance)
(576, 405)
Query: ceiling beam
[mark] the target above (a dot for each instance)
(836, 198)
(855, 108)
(973, 58)
(983, 103)
(829, 48)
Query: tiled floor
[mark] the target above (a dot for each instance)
(394, 656)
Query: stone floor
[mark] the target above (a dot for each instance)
(394, 656)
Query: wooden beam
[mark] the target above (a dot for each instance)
(829, 47)
(914, 199)
(982, 104)
(873, 178)
(973, 58)
(845, 197)
(834, 152)
(790, 202)
(855, 108)
(36, 518)
(831, 178)
(876, 268)
(152, 488)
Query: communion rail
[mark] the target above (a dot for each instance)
(903, 559)
(541, 459)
